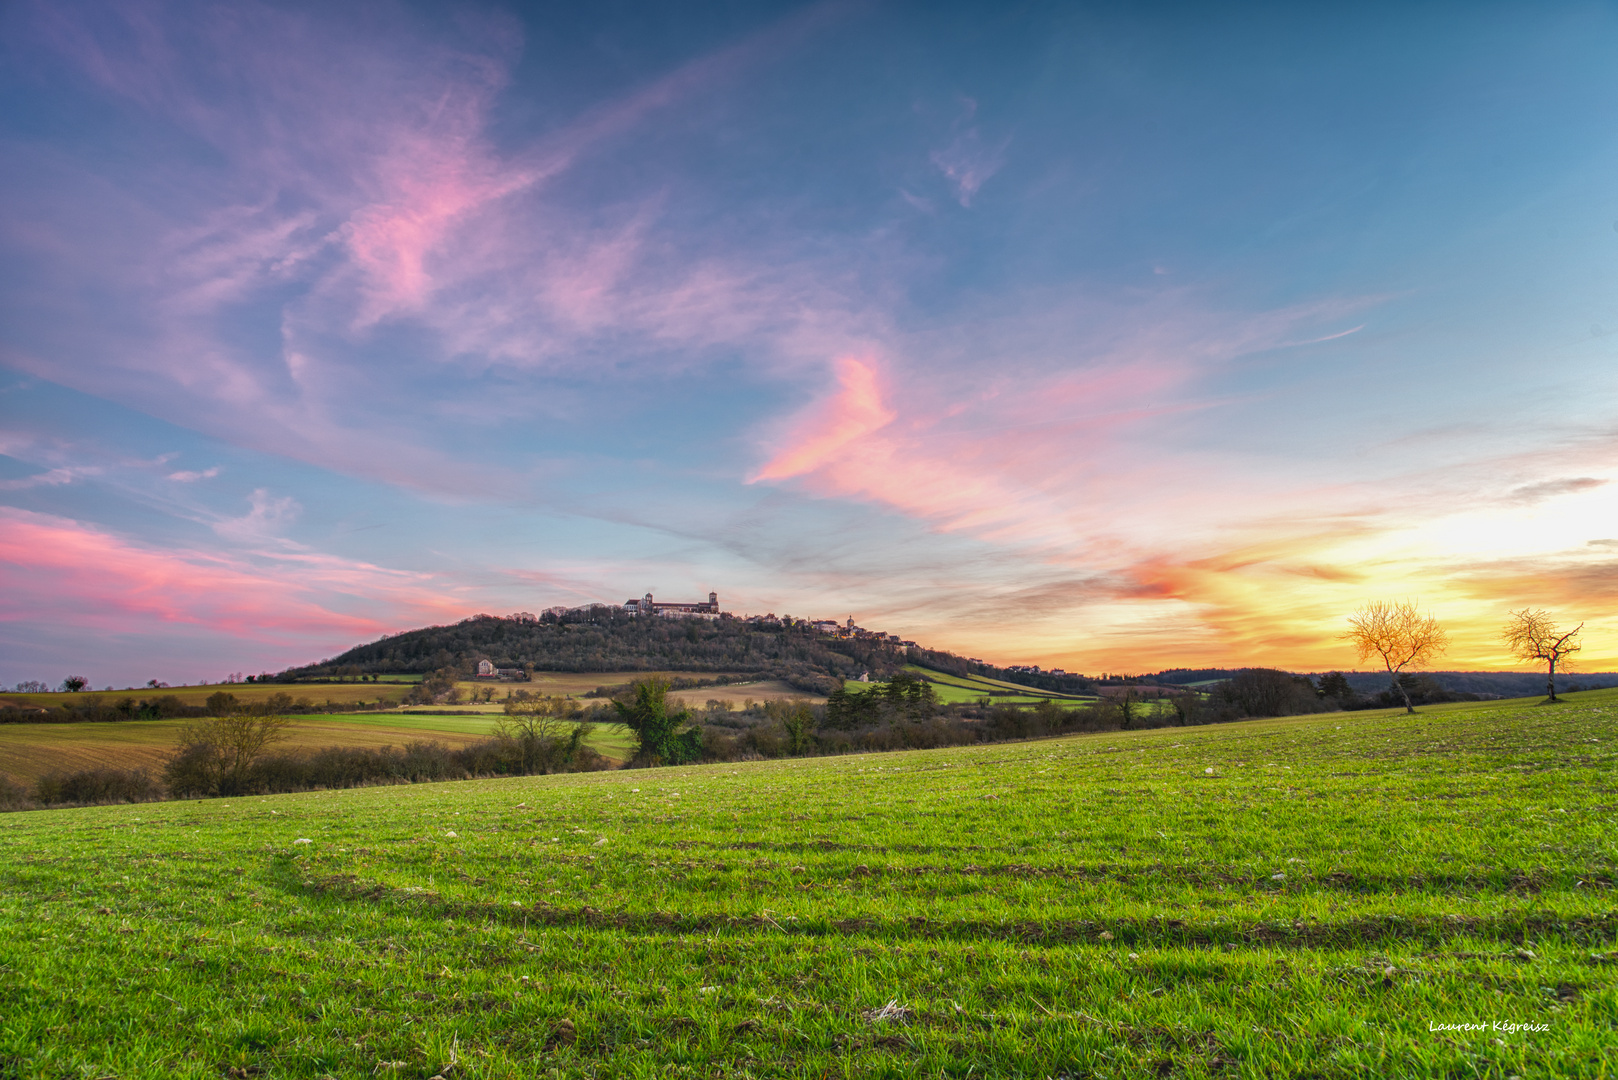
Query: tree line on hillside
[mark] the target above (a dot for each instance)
(234, 752)
(606, 638)
(609, 639)
(170, 707)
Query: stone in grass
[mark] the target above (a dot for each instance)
(891, 1013)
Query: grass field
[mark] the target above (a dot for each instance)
(1317, 896)
(29, 751)
(996, 688)
(966, 689)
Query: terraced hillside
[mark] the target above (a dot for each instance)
(1325, 896)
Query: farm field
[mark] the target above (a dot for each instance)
(29, 751)
(739, 693)
(341, 692)
(578, 683)
(1320, 896)
(960, 689)
(998, 688)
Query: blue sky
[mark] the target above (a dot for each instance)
(1110, 337)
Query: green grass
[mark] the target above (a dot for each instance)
(1098, 905)
(612, 739)
(968, 689)
(981, 685)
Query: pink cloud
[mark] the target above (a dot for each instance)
(57, 570)
(999, 436)
(855, 410)
(357, 184)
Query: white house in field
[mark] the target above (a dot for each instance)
(487, 670)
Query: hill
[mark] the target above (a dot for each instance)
(609, 639)
(1280, 898)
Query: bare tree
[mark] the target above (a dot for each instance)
(241, 738)
(1398, 633)
(215, 754)
(1533, 635)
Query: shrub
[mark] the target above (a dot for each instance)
(97, 786)
(656, 729)
(1267, 692)
(13, 796)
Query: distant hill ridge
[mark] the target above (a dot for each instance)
(612, 639)
(1503, 683)
(608, 638)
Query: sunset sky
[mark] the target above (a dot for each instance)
(1094, 336)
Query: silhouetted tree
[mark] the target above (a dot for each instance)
(1335, 685)
(1534, 635)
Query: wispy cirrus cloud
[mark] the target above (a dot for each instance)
(1021, 447)
(359, 188)
(50, 478)
(267, 517)
(968, 161)
(1550, 489)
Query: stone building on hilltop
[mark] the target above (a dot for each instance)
(647, 606)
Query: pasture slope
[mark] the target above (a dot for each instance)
(1316, 896)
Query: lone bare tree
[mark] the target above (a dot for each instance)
(1533, 635)
(217, 753)
(1398, 633)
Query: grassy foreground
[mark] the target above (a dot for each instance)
(1313, 896)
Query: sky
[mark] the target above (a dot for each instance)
(1107, 337)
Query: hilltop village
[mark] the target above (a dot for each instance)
(709, 609)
